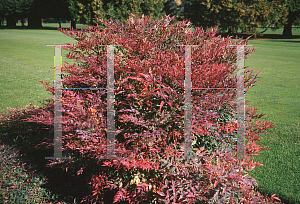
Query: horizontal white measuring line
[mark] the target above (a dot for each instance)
(82, 88)
(241, 45)
(105, 88)
(213, 88)
(58, 45)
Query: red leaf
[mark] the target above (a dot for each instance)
(119, 92)
(162, 114)
(131, 95)
(170, 103)
(161, 105)
(160, 193)
(71, 114)
(273, 197)
(79, 171)
(190, 195)
(95, 192)
(144, 75)
(215, 184)
(136, 78)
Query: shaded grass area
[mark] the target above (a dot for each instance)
(25, 60)
(25, 138)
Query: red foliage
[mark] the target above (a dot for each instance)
(149, 73)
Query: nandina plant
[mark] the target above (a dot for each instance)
(149, 105)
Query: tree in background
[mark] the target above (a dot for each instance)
(2, 16)
(231, 15)
(260, 13)
(207, 13)
(74, 12)
(13, 10)
(156, 8)
(37, 11)
(58, 9)
(271, 14)
(88, 9)
(84, 11)
(34, 10)
(77, 11)
(170, 7)
(26, 4)
(293, 17)
(106, 9)
(174, 7)
(9, 11)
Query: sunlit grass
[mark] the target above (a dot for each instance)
(25, 61)
(277, 95)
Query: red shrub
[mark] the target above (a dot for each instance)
(149, 73)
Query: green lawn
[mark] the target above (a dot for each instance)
(25, 60)
(277, 95)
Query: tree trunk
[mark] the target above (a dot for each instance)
(34, 22)
(92, 15)
(287, 30)
(59, 23)
(229, 32)
(10, 22)
(73, 24)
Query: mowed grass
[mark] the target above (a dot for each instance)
(25, 60)
(277, 95)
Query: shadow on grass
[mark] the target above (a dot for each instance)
(25, 138)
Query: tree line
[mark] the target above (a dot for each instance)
(246, 15)
(230, 15)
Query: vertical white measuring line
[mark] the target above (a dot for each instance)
(188, 153)
(241, 129)
(57, 104)
(188, 104)
(240, 102)
(110, 104)
(110, 154)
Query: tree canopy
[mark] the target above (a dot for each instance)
(106, 9)
(13, 10)
(230, 15)
(246, 15)
(293, 17)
